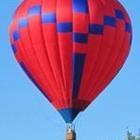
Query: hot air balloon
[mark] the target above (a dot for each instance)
(71, 49)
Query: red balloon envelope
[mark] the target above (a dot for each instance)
(71, 49)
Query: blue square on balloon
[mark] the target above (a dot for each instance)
(80, 6)
(110, 21)
(48, 18)
(64, 27)
(119, 14)
(23, 22)
(128, 27)
(16, 36)
(80, 37)
(35, 10)
(96, 29)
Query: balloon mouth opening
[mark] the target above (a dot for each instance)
(69, 114)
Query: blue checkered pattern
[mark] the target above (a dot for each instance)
(79, 6)
(96, 29)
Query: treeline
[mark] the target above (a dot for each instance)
(131, 136)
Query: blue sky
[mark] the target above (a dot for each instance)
(26, 115)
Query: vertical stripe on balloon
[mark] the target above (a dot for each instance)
(78, 66)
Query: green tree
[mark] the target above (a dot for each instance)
(131, 136)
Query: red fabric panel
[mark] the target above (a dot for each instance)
(64, 41)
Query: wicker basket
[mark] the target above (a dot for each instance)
(71, 135)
